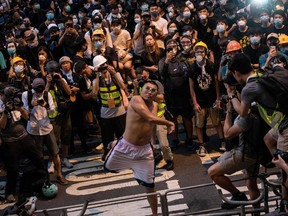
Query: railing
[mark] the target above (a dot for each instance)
(265, 186)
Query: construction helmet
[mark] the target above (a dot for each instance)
(283, 39)
(233, 46)
(49, 190)
(99, 60)
(201, 44)
(17, 59)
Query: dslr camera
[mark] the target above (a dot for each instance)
(102, 68)
(230, 79)
(13, 96)
(283, 154)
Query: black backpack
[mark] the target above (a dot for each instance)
(275, 81)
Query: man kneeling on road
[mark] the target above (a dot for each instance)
(134, 151)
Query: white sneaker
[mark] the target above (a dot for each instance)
(66, 163)
(202, 151)
(51, 168)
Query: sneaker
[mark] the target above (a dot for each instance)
(202, 151)
(61, 180)
(51, 168)
(66, 163)
(192, 146)
(169, 165)
(157, 157)
(239, 197)
(222, 146)
(174, 144)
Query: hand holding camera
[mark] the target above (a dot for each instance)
(280, 158)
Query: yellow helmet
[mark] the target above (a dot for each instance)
(17, 59)
(283, 39)
(200, 44)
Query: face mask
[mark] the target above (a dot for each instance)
(154, 14)
(186, 33)
(220, 28)
(264, 18)
(37, 7)
(75, 21)
(255, 40)
(39, 89)
(170, 14)
(120, 10)
(241, 23)
(11, 51)
(98, 44)
(50, 16)
(278, 21)
(191, 6)
(172, 30)
(144, 7)
(199, 58)
(203, 16)
(4, 5)
(97, 26)
(80, 15)
(137, 20)
(230, 16)
(187, 14)
(68, 8)
(55, 37)
(169, 9)
(19, 68)
(187, 48)
(26, 25)
(87, 6)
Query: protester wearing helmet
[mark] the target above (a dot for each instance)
(204, 89)
(283, 43)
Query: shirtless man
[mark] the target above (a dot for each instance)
(134, 150)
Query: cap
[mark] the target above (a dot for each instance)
(64, 59)
(38, 82)
(170, 41)
(98, 32)
(283, 39)
(145, 13)
(274, 35)
(17, 59)
(52, 25)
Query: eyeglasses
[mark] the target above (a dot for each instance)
(152, 90)
(200, 51)
(185, 42)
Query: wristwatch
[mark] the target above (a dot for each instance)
(231, 97)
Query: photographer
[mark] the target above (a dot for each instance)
(16, 141)
(39, 104)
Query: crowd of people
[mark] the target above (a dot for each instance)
(81, 66)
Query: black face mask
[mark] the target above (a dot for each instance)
(39, 89)
(55, 37)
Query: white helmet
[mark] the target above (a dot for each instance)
(99, 60)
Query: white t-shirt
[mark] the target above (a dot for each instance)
(120, 41)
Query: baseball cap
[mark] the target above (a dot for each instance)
(64, 59)
(272, 35)
(145, 13)
(52, 25)
(98, 32)
(38, 82)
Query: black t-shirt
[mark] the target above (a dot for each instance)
(272, 29)
(254, 54)
(204, 84)
(205, 33)
(241, 37)
(147, 62)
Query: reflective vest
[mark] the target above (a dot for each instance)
(55, 113)
(109, 92)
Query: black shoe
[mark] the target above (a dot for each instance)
(174, 144)
(206, 138)
(157, 157)
(169, 165)
(239, 197)
(192, 146)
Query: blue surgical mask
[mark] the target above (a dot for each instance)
(220, 28)
(186, 14)
(278, 21)
(264, 18)
(98, 44)
(255, 40)
(75, 21)
(11, 51)
(144, 7)
(68, 8)
(80, 15)
(50, 16)
(172, 30)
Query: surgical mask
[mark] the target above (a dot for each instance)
(75, 21)
(203, 16)
(4, 4)
(172, 30)
(199, 58)
(230, 16)
(187, 14)
(264, 18)
(187, 48)
(11, 51)
(169, 9)
(97, 26)
(220, 28)
(170, 14)
(98, 44)
(19, 68)
(87, 6)
(186, 33)
(154, 14)
(144, 7)
(241, 23)
(222, 2)
(137, 20)
(68, 8)
(80, 15)
(120, 9)
(37, 7)
(278, 21)
(50, 16)
(255, 40)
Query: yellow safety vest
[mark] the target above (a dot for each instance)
(55, 113)
(111, 92)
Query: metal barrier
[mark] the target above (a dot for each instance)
(165, 207)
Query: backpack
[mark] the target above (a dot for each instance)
(275, 81)
(30, 96)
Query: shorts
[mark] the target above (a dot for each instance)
(186, 112)
(62, 128)
(281, 138)
(200, 117)
(233, 161)
(140, 159)
(49, 141)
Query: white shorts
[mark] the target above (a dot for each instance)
(140, 159)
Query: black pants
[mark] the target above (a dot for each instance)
(14, 151)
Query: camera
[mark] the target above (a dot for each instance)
(40, 101)
(147, 23)
(283, 154)
(169, 49)
(230, 79)
(56, 76)
(102, 68)
(13, 96)
(141, 82)
(69, 25)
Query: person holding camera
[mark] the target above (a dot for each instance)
(16, 141)
(109, 86)
(38, 104)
